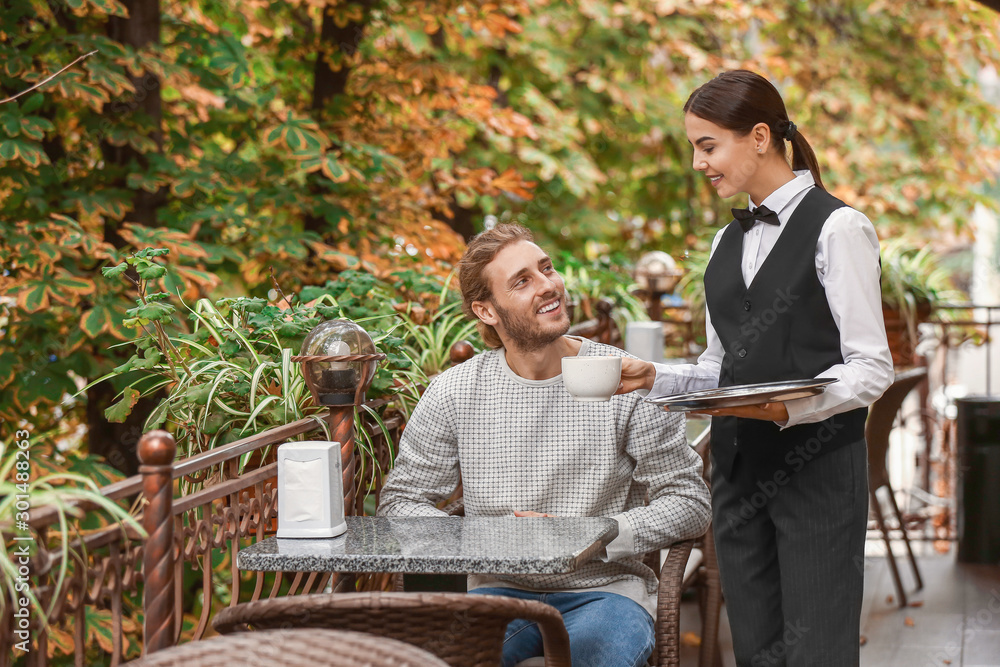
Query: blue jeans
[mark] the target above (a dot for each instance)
(605, 629)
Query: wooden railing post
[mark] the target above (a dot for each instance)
(157, 450)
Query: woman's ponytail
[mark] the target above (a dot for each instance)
(803, 156)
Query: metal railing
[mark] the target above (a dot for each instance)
(190, 539)
(989, 323)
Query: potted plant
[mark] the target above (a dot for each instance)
(912, 285)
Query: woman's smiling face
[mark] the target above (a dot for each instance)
(729, 160)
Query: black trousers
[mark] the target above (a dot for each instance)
(791, 556)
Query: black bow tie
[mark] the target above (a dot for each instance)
(746, 217)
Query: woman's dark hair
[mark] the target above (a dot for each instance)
(739, 99)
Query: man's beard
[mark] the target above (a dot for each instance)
(525, 334)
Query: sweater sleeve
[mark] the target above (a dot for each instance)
(426, 470)
(670, 470)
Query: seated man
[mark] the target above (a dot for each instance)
(524, 447)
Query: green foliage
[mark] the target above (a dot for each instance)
(33, 473)
(913, 283)
(692, 288)
(429, 344)
(911, 276)
(601, 278)
(226, 372)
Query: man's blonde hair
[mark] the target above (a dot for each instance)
(482, 250)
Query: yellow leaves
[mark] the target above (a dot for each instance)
(68, 289)
(202, 98)
(347, 13)
(60, 641)
(203, 279)
(431, 23)
(190, 12)
(254, 270)
(114, 82)
(333, 170)
(512, 182)
(419, 236)
(37, 293)
(302, 136)
(72, 86)
(102, 7)
(99, 631)
(510, 123)
(335, 259)
(96, 321)
(178, 243)
(34, 297)
(494, 21)
(28, 152)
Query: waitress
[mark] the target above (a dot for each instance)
(792, 292)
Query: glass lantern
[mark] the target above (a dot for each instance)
(338, 362)
(657, 273)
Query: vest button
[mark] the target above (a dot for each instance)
(742, 353)
(746, 305)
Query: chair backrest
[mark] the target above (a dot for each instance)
(881, 417)
(463, 630)
(293, 648)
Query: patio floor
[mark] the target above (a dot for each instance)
(954, 620)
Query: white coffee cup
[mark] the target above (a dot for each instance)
(591, 378)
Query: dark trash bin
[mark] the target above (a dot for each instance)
(978, 490)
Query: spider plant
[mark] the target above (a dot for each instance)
(226, 372)
(60, 490)
(429, 345)
(586, 283)
(912, 282)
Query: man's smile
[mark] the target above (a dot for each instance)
(548, 308)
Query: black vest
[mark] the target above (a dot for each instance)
(780, 328)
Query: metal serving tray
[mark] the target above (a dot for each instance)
(742, 394)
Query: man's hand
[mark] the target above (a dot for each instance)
(770, 412)
(530, 513)
(636, 374)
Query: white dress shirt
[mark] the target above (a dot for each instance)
(847, 266)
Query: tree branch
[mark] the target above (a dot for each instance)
(42, 83)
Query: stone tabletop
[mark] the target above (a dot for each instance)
(440, 545)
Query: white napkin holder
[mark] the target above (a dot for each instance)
(645, 340)
(310, 490)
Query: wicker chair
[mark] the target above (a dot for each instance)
(703, 575)
(881, 417)
(675, 576)
(463, 630)
(293, 648)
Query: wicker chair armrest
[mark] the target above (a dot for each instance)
(555, 639)
(668, 604)
(444, 623)
(293, 648)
